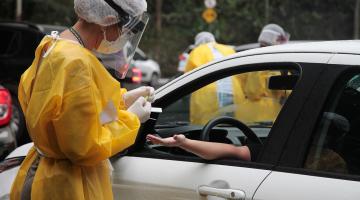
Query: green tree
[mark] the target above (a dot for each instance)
(238, 22)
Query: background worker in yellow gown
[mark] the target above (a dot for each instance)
(206, 102)
(76, 113)
(262, 104)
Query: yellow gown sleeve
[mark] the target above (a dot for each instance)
(190, 64)
(78, 129)
(22, 95)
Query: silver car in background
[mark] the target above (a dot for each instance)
(150, 68)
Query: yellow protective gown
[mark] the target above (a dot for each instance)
(253, 101)
(204, 103)
(260, 104)
(71, 90)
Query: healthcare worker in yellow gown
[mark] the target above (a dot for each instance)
(206, 102)
(262, 104)
(76, 113)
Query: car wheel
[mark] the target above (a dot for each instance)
(154, 80)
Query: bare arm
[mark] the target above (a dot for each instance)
(206, 150)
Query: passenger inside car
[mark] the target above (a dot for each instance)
(329, 158)
(336, 143)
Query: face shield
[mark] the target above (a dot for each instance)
(131, 30)
(115, 63)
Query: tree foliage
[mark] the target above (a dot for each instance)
(238, 22)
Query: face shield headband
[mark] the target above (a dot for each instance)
(131, 29)
(128, 22)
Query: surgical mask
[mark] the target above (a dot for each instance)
(110, 47)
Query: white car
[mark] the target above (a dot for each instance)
(150, 69)
(310, 149)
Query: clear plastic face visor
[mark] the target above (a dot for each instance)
(130, 37)
(131, 33)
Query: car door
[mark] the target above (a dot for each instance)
(321, 160)
(156, 172)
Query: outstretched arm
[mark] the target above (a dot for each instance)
(206, 150)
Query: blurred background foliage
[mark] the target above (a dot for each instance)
(174, 23)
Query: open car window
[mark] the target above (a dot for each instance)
(254, 98)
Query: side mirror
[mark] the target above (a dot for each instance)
(283, 82)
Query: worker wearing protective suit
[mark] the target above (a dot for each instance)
(262, 104)
(76, 113)
(208, 102)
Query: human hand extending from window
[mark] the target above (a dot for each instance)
(174, 141)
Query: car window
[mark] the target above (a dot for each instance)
(10, 42)
(254, 98)
(335, 145)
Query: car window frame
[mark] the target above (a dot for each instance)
(275, 148)
(292, 160)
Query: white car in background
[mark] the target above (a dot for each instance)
(150, 69)
(309, 151)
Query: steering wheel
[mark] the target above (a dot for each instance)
(230, 121)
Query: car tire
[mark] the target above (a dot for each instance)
(154, 81)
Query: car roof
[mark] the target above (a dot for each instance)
(248, 46)
(307, 52)
(244, 47)
(43, 28)
(20, 151)
(46, 28)
(331, 47)
(18, 25)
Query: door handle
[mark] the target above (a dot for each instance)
(205, 190)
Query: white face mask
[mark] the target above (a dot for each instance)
(110, 47)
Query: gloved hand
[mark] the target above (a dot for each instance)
(141, 108)
(145, 91)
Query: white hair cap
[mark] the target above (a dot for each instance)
(273, 34)
(99, 12)
(204, 37)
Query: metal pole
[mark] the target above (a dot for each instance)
(356, 19)
(267, 11)
(18, 11)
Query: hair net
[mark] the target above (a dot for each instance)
(273, 34)
(99, 12)
(204, 37)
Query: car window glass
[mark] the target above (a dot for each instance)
(336, 143)
(10, 42)
(254, 98)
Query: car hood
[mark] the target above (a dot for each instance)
(20, 151)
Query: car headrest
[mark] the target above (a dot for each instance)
(338, 123)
